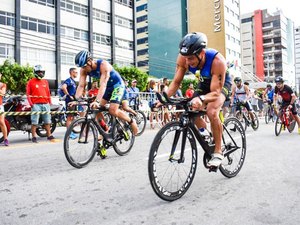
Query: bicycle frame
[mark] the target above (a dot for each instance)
(285, 116)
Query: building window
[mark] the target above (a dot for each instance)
(41, 26)
(74, 7)
(123, 22)
(125, 2)
(120, 43)
(49, 3)
(142, 29)
(247, 20)
(141, 18)
(142, 52)
(6, 51)
(75, 34)
(142, 41)
(143, 63)
(101, 15)
(101, 39)
(67, 58)
(7, 18)
(37, 55)
(141, 7)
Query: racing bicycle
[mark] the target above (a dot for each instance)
(173, 154)
(285, 119)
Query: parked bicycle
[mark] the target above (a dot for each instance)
(92, 137)
(243, 116)
(173, 154)
(285, 119)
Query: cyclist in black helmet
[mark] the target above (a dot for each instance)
(213, 87)
(288, 98)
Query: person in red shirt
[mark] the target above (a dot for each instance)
(94, 90)
(38, 95)
(190, 91)
(2, 120)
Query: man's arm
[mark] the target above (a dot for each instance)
(248, 96)
(105, 70)
(81, 84)
(180, 70)
(28, 94)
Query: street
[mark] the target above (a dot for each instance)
(38, 186)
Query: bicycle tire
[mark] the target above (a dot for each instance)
(292, 125)
(267, 115)
(41, 131)
(141, 121)
(124, 138)
(77, 153)
(255, 127)
(240, 116)
(278, 125)
(233, 138)
(173, 187)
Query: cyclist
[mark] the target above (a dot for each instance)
(288, 98)
(111, 85)
(268, 95)
(242, 94)
(213, 86)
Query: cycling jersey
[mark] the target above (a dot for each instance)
(285, 93)
(270, 94)
(241, 93)
(206, 76)
(115, 85)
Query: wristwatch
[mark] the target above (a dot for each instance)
(97, 100)
(202, 98)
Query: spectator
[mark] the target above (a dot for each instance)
(133, 93)
(94, 90)
(178, 93)
(69, 89)
(254, 101)
(151, 90)
(38, 94)
(190, 91)
(2, 116)
(166, 84)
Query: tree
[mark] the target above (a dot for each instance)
(15, 76)
(131, 73)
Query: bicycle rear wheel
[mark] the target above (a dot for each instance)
(240, 116)
(141, 121)
(268, 115)
(80, 149)
(292, 125)
(234, 147)
(256, 122)
(123, 136)
(278, 125)
(170, 178)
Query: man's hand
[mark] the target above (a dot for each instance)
(95, 104)
(73, 103)
(197, 104)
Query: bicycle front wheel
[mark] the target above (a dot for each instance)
(80, 148)
(256, 122)
(278, 125)
(170, 174)
(234, 147)
(141, 122)
(123, 138)
(268, 115)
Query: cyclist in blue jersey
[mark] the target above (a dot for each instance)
(111, 85)
(213, 87)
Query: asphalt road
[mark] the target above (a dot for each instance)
(38, 186)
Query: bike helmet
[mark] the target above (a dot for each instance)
(269, 85)
(82, 57)
(237, 79)
(192, 43)
(39, 72)
(279, 79)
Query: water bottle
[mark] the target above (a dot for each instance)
(205, 133)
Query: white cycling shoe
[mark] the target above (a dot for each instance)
(216, 160)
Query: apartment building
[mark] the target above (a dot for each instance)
(268, 45)
(51, 32)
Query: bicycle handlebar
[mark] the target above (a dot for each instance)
(165, 100)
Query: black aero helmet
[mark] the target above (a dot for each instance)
(192, 43)
(237, 79)
(82, 57)
(39, 71)
(279, 79)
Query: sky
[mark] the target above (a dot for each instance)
(289, 7)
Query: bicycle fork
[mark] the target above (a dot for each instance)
(175, 142)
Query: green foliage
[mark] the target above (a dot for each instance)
(132, 73)
(15, 76)
(185, 84)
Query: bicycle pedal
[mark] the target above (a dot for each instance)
(213, 169)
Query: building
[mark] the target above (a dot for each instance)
(220, 21)
(50, 33)
(268, 45)
(297, 58)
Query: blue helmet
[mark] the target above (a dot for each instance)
(82, 57)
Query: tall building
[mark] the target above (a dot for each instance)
(268, 45)
(142, 35)
(220, 21)
(50, 33)
(297, 58)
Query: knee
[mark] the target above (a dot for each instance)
(113, 111)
